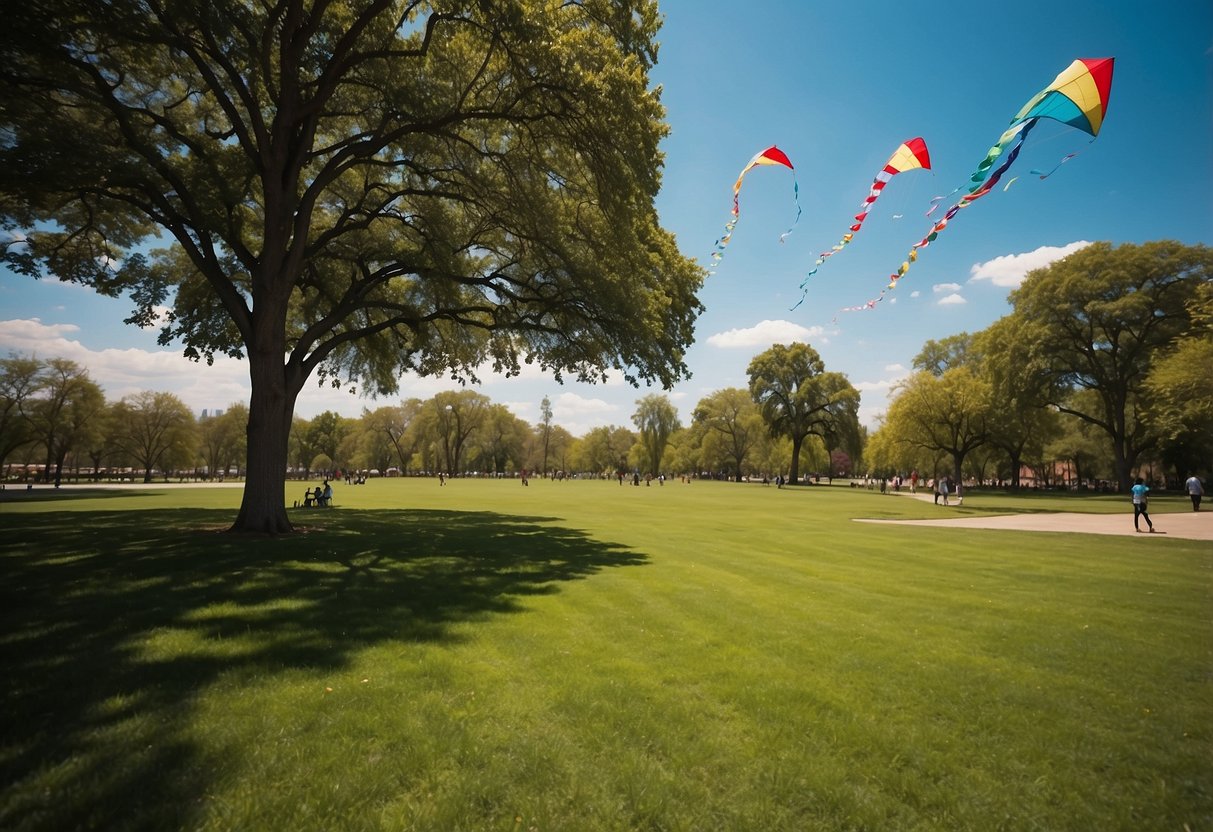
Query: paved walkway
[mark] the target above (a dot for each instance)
(1189, 525)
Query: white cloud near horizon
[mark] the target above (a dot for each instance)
(578, 414)
(764, 334)
(953, 299)
(874, 395)
(1009, 270)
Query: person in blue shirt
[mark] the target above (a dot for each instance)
(1141, 499)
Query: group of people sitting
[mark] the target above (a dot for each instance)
(321, 497)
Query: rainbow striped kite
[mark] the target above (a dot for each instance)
(910, 155)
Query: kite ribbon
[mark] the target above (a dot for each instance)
(771, 156)
(909, 155)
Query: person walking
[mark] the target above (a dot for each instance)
(1141, 501)
(1195, 491)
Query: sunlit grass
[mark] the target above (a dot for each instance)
(582, 655)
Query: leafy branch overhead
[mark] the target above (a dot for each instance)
(429, 180)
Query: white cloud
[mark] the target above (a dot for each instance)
(874, 399)
(915, 293)
(1009, 270)
(939, 288)
(952, 300)
(578, 414)
(764, 334)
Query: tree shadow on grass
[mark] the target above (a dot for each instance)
(115, 620)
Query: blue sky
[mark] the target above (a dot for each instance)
(837, 87)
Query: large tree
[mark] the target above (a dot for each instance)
(799, 398)
(351, 189)
(1097, 319)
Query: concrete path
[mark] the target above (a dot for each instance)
(1189, 525)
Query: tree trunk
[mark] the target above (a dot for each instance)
(794, 472)
(271, 406)
(1123, 473)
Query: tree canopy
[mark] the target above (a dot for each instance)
(351, 190)
(799, 398)
(1098, 319)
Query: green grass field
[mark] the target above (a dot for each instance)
(585, 656)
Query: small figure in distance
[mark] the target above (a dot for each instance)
(1195, 491)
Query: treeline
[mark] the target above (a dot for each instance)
(58, 423)
(1103, 371)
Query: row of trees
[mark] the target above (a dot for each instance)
(54, 418)
(1106, 362)
(57, 419)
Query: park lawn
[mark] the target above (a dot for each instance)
(589, 656)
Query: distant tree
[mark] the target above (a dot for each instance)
(326, 431)
(731, 426)
(454, 417)
(390, 426)
(798, 398)
(1079, 442)
(655, 419)
(560, 442)
(604, 449)
(937, 357)
(20, 380)
(352, 189)
(948, 414)
(1098, 318)
(1179, 392)
(154, 430)
(1020, 422)
(102, 446)
(501, 438)
(66, 413)
(222, 438)
(302, 451)
(544, 430)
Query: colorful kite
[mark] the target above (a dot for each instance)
(771, 156)
(911, 155)
(1078, 97)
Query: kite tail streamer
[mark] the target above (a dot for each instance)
(909, 155)
(1046, 174)
(771, 156)
(977, 191)
(796, 200)
(1077, 97)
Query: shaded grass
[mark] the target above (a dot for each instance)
(586, 656)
